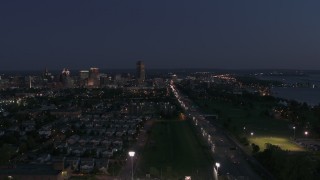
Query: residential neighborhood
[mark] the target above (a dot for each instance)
(76, 131)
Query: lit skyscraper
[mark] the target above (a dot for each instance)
(93, 77)
(141, 74)
(65, 78)
(84, 74)
(47, 76)
(83, 78)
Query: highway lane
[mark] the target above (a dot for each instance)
(234, 163)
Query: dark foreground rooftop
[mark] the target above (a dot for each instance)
(28, 169)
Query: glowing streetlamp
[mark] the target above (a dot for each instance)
(306, 133)
(131, 154)
(251, 133)
(217, 165)
(294, 132)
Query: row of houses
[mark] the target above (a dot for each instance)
(101, 137)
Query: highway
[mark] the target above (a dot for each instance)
(233, 162)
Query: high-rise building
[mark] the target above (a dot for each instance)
(30, 82)
(65, 78)
(84, 74)
(141, 74)
(104, 79)
(47, 76)
(93, 79)
(83, 78)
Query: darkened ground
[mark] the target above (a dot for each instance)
(174, 151)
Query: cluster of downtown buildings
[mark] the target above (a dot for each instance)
(64, 125)
(91, 78)
(84, 124)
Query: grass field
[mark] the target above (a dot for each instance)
(266, 129)
(283, 143)
(252, 118)
(174, 151)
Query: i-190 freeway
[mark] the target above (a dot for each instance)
(231, 162)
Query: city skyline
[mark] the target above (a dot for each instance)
(166, 34)
(168, 89)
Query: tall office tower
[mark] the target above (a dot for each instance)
(84, 74)
(30, 82)
(83, 78)
(104, 79)
(47, 76)
(93, 77)
(141, 74)
(65, 78)
(65, 72)
(45, 73)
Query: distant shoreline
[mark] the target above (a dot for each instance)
(311, 96)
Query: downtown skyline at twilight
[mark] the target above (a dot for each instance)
(159, 89)
(164, 34)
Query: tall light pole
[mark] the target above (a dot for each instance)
(217, 165)
(294, 132)
(131, 154)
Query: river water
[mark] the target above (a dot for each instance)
(308, 95)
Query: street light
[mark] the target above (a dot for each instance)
(131, 154)
(306, 133)
(294, 132)
(251, 133)
(217, 165)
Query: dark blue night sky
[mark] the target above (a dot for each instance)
(227, 34)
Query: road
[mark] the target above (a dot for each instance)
(232, 159)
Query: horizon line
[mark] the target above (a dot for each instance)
(187, 68)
